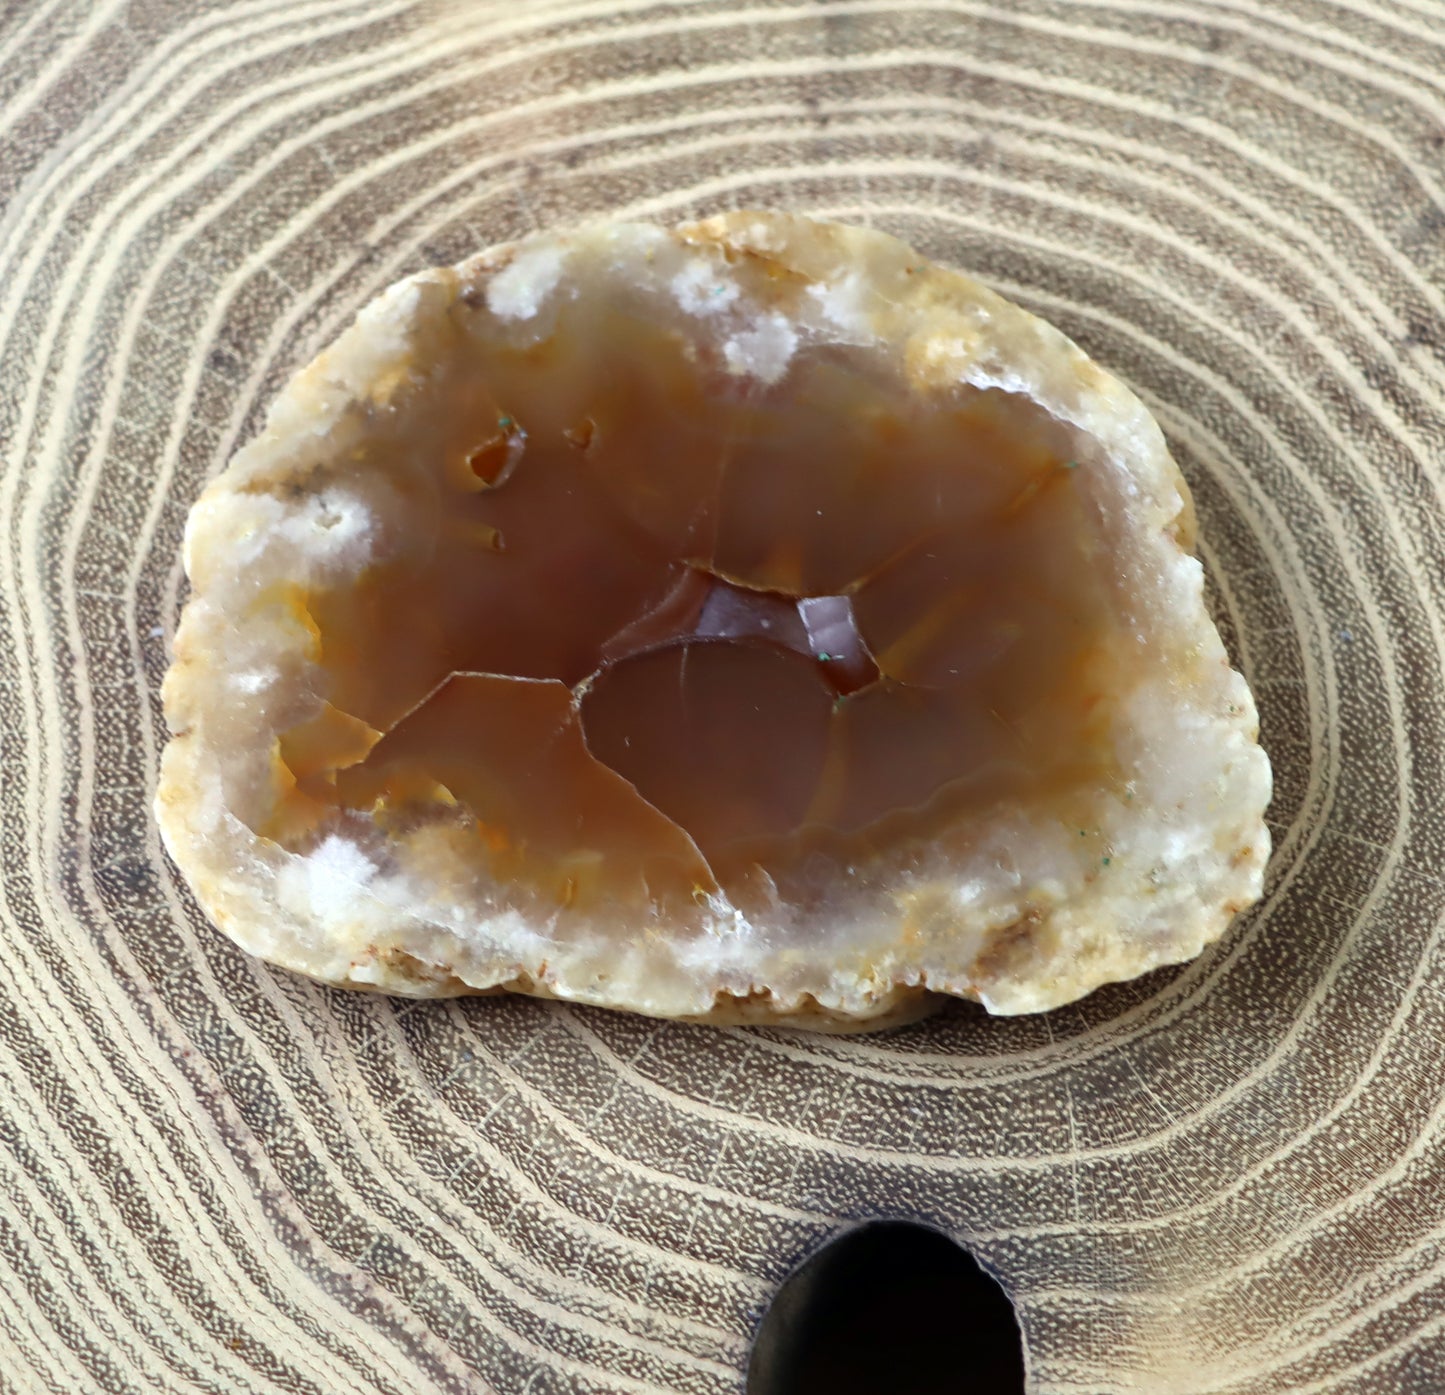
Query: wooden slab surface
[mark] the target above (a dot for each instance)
(1225, 1180)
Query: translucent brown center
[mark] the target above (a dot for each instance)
(646, 630)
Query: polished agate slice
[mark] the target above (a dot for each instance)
(748, 621)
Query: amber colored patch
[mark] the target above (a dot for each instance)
(658, 632)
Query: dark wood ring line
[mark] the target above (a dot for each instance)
(1224, 1180)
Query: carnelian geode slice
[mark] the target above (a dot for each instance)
(750, 621)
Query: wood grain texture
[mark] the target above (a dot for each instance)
(1225, 1179)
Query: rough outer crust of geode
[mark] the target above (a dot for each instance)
(1022, 906)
